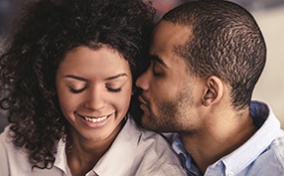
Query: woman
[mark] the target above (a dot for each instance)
(67, 75)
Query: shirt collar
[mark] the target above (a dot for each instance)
(263, 118)
(251, 149)
(184, 157)
(61, 158)
(114, 160)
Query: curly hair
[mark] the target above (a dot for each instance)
(226, 42)
(45, 31)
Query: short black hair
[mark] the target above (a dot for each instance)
(226, 42)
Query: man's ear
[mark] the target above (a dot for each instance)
(214, 91)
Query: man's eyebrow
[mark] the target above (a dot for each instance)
(157, 59)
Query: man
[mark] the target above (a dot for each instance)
(206, 57)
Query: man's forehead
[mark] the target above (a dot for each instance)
(171, 32)
(167, 36)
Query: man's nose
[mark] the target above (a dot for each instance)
(143, 81)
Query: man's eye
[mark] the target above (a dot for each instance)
(157, 72)
(75, 91)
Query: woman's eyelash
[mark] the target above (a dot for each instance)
(76, 90)
(114, 90)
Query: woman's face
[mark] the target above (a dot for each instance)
(94, 89)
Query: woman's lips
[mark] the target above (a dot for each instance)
(93, 118)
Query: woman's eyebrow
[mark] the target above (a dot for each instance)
(116, 76)
(83, 79)
(75, 77)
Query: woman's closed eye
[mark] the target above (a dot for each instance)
(112, 89)
(76, 90)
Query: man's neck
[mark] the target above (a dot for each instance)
(213, 142)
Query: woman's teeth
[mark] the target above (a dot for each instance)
(94, 120)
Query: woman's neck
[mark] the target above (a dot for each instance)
(83, 154)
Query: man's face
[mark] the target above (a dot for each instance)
(168, 89)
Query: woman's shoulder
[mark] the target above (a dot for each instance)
(7, 146)
(151, 136)
(154, 154)
(15, 160)
(5, 137)
(11, 156)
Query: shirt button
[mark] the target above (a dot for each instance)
(230, 174)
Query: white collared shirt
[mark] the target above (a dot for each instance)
(135, 151)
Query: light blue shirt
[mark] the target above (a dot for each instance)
(261, 155)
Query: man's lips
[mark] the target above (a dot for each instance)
(143, 101)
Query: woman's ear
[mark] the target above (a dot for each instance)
(214, 91)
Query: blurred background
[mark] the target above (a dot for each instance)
(268, 13)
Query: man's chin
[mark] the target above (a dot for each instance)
(148, 124)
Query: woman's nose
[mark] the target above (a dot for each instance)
(95, 99)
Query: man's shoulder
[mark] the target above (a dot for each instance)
(277, 146)
(272, 159)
